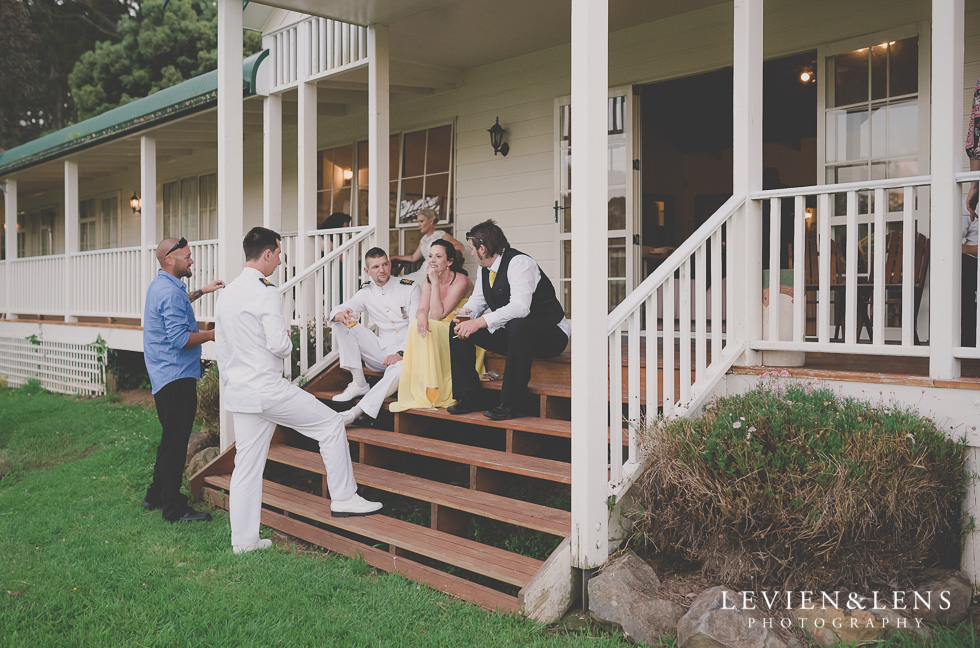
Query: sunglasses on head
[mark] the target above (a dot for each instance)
(182, 243)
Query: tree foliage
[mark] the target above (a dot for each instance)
(42, 40)
(156, 49)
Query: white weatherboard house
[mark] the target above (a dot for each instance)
(648, 145)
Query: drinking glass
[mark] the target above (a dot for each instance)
(432, 394)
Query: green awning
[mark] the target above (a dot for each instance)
(191, 96)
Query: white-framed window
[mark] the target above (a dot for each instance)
(99, 222)
(87, 224)
(35, 232)
(190, 208)
(420, 171)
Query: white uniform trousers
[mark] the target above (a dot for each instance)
(302, 412)
(357, 345)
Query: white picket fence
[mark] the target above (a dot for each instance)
(37, 285)
(107, 283)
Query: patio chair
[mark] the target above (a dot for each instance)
(894, 249)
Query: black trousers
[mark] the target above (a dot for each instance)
(176, 407)
(968, 305)
(521, 340)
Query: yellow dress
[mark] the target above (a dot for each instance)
(427, 364)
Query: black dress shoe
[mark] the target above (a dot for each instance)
(502, 413)
(193, 516)
(463, 406)
(150, 506)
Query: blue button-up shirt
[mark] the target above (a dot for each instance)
(168, 322)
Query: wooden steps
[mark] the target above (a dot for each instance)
(515, 464)
(490, 562)
(518, 513)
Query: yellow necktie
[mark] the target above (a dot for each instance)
(493, 275)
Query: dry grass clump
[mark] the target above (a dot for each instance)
(793, 485)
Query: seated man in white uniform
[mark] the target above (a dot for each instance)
(252, 340)
(391, 305)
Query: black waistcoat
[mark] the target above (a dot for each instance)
(544, 302)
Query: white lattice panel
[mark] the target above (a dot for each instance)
(60, 367)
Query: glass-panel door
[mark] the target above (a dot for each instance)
(619, 208)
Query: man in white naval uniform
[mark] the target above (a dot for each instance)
(391, 303)
(252, 339)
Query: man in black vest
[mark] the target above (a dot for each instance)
(514, 312)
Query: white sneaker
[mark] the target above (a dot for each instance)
(264, 543)
(349, 417)
(356, 505)
(353, 391)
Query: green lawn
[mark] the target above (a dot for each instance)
(84, 565)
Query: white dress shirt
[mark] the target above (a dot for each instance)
(252, 340)
(523, 274)
(392, 308)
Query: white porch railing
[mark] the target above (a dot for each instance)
(667, 317)
(107, 283)
(37, 285)
(858, 262)
(333, 44)
(205, 269)
(313, 293)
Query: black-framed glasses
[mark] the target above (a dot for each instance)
(182, 243)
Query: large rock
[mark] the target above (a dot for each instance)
(942, 596)
(624, 596)
(829, 625)
(200, 460)
(717, 620)
(199, 441)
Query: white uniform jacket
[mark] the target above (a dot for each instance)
(252, 339)
(392, 308)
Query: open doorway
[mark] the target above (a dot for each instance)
(686, 135)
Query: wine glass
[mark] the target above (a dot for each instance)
(432, 394)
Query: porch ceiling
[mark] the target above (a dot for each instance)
(470, 33)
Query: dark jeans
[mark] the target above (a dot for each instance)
(176, 407)
(968, 305)
(521, 340)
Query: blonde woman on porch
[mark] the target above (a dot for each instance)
(426, 365)
(426, 218)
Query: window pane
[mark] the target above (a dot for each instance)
(322, 208)
(362, 208)
(171, 196)
(847, 134)
(851, 77)
(412, 238)
(393, 247)
(616, 156)
(392, 202)
(903, 128)
(903, 168)
(617, 257)
(324, 165)
(413, 158)
(617, 211)
(188, 208)
(566, 212)
(341, 201)
(879, 71)
(343, 160)
(362, 163)
(617, 115)
(110, 222)
(394, 154)
(904, 67)
(209, 206)
(411, 199)
(436, 194)
(566, 248)
(879, 131)
(439, 150)
(565, 124)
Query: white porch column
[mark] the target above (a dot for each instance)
(947, 151)
(590, 362)
(149, 238)
(747, 171)
(379, 128)
(272, 162)
(230, 157)
(306, 153)
(71, 235)
(10, 236)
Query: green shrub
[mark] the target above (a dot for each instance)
(208, 400)
(791, 483)
(294, 336)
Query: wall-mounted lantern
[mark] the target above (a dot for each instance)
(497, 139)
(136, 204)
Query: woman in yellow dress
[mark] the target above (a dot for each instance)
(426, 377)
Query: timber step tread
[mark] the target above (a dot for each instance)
(498, 564)
(551, 427)
(547, 469)
(503, 509)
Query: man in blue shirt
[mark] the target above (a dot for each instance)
(172, 352)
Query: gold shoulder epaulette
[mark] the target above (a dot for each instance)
(407, 282)
(266, 282)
